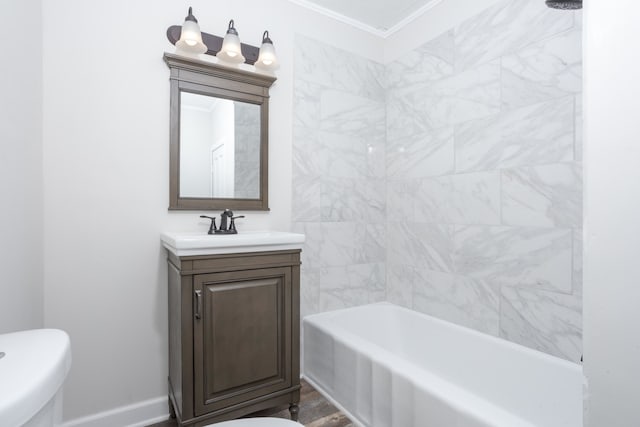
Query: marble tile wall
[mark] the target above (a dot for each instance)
(247, 156)
(484, 176)
(448, 181)
(339, 180)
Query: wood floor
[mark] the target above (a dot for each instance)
(315, 411)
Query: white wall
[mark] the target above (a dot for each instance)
(21, 288)
(196, 136)
(612, 213)
(106, 172)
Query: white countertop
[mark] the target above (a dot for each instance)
(201, 243)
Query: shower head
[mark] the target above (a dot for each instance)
(565, 4)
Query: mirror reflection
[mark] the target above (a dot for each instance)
(219, 147)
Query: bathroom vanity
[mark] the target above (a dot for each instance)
(233, 324)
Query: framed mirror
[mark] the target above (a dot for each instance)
(219, 130)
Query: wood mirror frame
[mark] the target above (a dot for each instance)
(207, 78)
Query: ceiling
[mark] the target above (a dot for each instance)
(381, 17)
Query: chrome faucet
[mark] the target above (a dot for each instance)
(224, 217)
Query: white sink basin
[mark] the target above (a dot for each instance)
(34, 366)
(186, 244)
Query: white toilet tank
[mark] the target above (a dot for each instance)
(33, 367)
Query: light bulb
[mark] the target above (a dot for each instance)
(231, 50)
(267, 59)
(190, 42)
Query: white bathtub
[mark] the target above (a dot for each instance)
(388, 366)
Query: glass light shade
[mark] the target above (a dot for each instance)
(267, 59)
(231, 51)
(190, 38)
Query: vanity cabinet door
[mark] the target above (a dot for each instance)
(242, 336)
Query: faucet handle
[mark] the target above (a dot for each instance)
(212, 227)
(232, 226)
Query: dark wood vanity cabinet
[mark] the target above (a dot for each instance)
(233, 335)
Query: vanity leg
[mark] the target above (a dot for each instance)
(172, 411)
(293, 410)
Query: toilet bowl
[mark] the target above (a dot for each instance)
(33, 367)
(258, 422)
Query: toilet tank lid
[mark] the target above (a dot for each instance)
(33, 368)
(258, 422)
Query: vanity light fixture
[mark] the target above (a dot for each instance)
(267, 59)
(231, 51)
(190, 42)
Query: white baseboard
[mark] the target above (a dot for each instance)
(139, 414)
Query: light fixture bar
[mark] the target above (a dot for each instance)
(214, 44)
